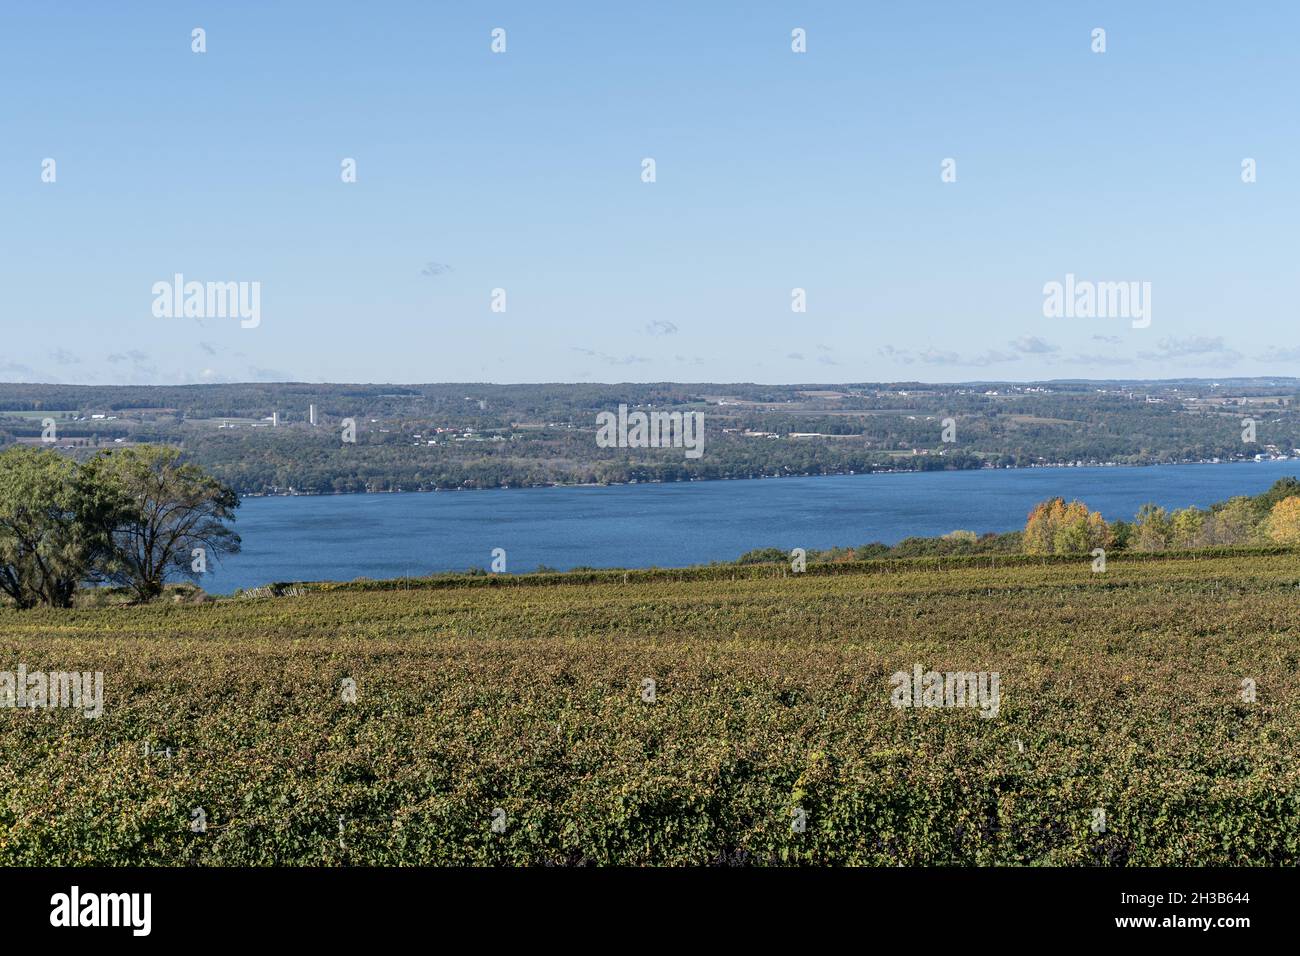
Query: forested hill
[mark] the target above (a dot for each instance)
(258, 436)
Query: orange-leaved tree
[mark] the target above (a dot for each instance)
(1055, 527)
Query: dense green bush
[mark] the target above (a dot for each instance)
(132, 516)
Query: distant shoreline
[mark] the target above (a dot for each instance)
(831, 474)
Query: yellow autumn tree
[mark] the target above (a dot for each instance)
(1284, 521)
(1234, 523)
(1152, 529)
(1186, 528)
(1055, 527)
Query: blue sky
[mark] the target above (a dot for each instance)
(522, 171)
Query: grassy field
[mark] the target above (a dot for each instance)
(509, 724)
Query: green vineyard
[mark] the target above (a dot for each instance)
(1148, 715)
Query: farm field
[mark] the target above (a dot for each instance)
(513, 724)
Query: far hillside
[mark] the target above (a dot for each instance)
(287, 438)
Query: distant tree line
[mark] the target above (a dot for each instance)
(1270, 518)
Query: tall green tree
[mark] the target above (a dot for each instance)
(176, 520)
(1234, 522)
(1187, 527)
(51, 526)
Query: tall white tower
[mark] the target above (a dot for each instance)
(311, 414)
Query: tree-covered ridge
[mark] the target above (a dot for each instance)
(257, 437)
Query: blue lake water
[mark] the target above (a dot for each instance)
(341, 537)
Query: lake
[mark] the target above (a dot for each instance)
(341, 537)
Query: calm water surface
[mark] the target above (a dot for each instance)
(341, 537)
